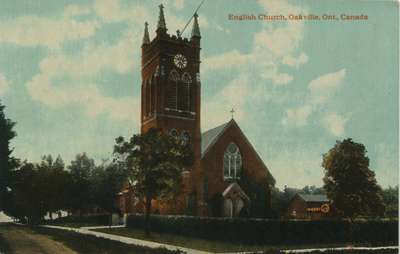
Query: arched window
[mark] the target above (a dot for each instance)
(172, 90)
(184, 92)
(232, 162)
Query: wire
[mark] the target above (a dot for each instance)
(183, 30)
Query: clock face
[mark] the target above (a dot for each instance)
(180, 61)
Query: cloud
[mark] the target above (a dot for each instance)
(220, 28)
(111, 11)
(295, 62)
(236, 94)
(74, 10)
(226, 60)
(335, 124)
(78, 72)
(297, 116)
(4, 84)
(87, 95)
(278, 78)
(328, 81)
(320, 90)
(304, 163)
(33, 31)
(92, 59)
(179, 4)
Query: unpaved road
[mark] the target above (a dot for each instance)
(22, 240)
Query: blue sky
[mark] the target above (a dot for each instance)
(70, 75)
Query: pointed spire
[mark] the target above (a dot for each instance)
(146, 37)
(161, 19)
(196, 28)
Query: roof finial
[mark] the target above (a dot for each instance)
(146, 37)
(232, 112)
(161, 19)
(196, 28)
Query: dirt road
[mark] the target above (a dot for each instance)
(22, 240)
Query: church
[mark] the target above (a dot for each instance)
(228, 178)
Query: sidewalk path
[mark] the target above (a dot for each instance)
(128, 240)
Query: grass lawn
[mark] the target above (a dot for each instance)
(202, 244)
(92, 244)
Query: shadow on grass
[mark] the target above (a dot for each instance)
(4, 246)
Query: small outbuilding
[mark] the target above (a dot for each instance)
(312, 207)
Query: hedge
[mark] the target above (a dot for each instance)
(98, 219)
(262, 231)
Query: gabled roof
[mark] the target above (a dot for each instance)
(313, 198)
(234, 190)
(209, 137)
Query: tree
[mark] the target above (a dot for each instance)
(106, 182)
(7, 163)
(349, 182)
(54, 180)
(312, 190)
(27, 192)
(391, 201)
(155, 162)
(79, 196)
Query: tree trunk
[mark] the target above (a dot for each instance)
(147, 215)
(351, 230)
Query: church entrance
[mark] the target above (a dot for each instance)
(235, 201)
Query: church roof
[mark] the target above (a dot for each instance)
(313, 198)
(209, 137)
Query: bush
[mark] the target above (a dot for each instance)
(262, 231)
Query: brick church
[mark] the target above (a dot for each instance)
(228, 178)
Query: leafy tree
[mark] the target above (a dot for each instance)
(312, 190)
(391, 201)
(54, 183)
(28, 199)
(155, 162)
(349, 182)
(7, 163)
(106, 182)
(79, 196)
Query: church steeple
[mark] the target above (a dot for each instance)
(146, 37)
(196, 28)
(161, 26)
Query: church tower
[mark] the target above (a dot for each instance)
(171, 84)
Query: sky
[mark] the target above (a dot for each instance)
(70, 77)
